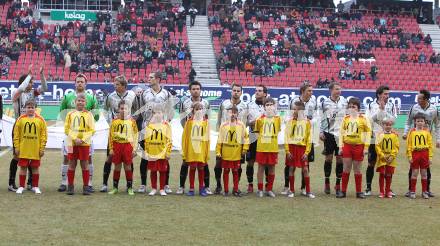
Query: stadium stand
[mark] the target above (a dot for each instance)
(138, 40)
(281, 46)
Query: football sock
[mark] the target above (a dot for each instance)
(143, 171)
(369, 174)
(12, 171)
(250, 174)
(381, 183)
(424, 185)
(345, 178)
(307, 181)
(428, 184)
(64, 169)
(106, 172)
(292, 183)
(388, 180)
(286, 176)
(358, 182)
(183, 174)
(192, 176)
(271, 178)
(85, 176)
(129, 177)
(413, 184)
(235, 179)
(167, 175)
(327, 171)
(35, 180)
(162, 179)
(22, 180)
(339, 171)
(116, 177)
(201, 173)
(218, 175)
(70, 177)
(226, 179)
(206, 176)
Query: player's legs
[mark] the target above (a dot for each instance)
(226, 180)
(12, 173)
(166, 186)
(35, 180)
(428, 187)
(292, 180)
(91, 172)
(201, 172)
(260, 174)
(106, 172)
(85, 175)
(218, 175)
(22, 176)
(71, 176)
(116, 177)
(305, 171)
(128, 168)
(347, 162)
(369, 174)
(389, 171)
(339, 170)
(143, 171)
(381, 170)
(206, 177)
(327, 172)
(236, 180)
(64, 168)
(183, 175)
(192, 176)
(357, 166)
(286, 180)
(424, 181)
(270, 180)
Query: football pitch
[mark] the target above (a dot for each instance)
(57, 219)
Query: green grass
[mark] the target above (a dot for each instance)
(101, 219)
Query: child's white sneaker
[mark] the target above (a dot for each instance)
(152, 192)
(180, 191)
(163, 192)
(36, 190)
(270, 194)
(168, 189)
(285, 191)
(310, 195)
(20, 190)
(290, 194)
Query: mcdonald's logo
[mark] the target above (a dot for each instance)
(231, 135)
(121, 128)
(155, 133)
(387, 144)
(352, 127)
(78, 120)
(298, 130)
(268, 128)
(419, 139)
(31, 126)
(197, 131)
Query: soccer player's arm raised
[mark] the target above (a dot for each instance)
(41, 89)
(23, 85)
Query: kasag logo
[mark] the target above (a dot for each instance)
(29, 128)
(155, 134)
(122, 128)
(74, 16)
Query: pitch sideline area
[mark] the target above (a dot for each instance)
(55, 218)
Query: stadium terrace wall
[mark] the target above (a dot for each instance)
(215, 94)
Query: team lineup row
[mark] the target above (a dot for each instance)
(249, 130)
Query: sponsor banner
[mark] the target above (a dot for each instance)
(216, 94)
(72, 15)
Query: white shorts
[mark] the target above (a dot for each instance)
(64, 148)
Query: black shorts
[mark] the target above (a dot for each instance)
(330, 145)
(372, 155)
